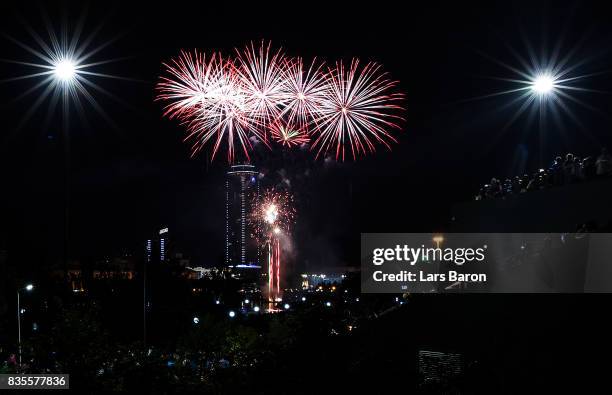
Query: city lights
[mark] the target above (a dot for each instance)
(438, 239)
(232, 314)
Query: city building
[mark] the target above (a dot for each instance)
(242, 193)
(157, 248)
(436, 366)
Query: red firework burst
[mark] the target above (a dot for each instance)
(274, 214)
(359, 109)
(261, 91)
(206, 96)
(189, 77)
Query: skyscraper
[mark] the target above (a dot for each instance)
(242, 191)
(163, 244)
(156, 248)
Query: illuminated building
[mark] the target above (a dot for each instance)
(156, 249)
(163, 244)
(242, 191)
(435, 366)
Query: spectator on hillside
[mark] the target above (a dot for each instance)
(494, 189)
(577, 169)
(569, 169)
(603, 164)
(556, 171)
(516, 184)
(562, 171)
(588, 168)
(532, 185)
(507, 188)
(524, 183)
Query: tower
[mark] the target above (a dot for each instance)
(242, 190)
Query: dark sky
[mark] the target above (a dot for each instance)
(132, 175)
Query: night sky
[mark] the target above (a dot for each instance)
(132, 175)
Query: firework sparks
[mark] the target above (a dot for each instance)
(190, 79)
(262, 75)
(272, 219)
(305, 92)
(288, 134)
(262, 92)
(358, 110)
(206, 96)
(273, 215)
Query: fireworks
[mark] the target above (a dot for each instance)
(261, 92)
(190, 77)
(262, 81)
(206, 96)
(357, 110)
(272, 220)
(273, 215)
(288, 134)
(305, 92)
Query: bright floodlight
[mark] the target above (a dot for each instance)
(64, 70)
(29, 287)
(543, 84)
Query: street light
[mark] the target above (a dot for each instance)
(543, 84)
(65, 70)
(438, 239)
(29, 288)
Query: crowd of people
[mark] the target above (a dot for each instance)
(562, 171)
